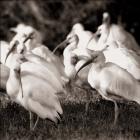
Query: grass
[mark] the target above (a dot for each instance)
(96, 124)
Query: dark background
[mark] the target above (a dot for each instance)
(54, 18)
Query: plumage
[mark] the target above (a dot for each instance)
(110, 79)
(125, 58)
(115, 33)
(39, 89)
(83, 35)
(117, 47)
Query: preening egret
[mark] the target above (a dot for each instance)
(40, 88)
(111, 81)
(108, 33)
(32, 43)
(23, 31)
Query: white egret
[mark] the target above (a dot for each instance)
(111, 81)
(23, 31)
(108, 33)
(30, 41)
(83, 35)
(121, 56)
(72, 63)
(40, 88)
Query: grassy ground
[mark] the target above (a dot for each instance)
(96, 124)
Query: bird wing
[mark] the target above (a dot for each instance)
(123, 37)
(39, 92)
(44, 101)
(122, 83)
(51, 67)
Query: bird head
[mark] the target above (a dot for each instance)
(78, 27)
(95, 57)
(20, 49)
(66, 42)
(23, 31)
(74, 59)
(104, 27)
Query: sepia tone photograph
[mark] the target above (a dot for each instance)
(69, 70)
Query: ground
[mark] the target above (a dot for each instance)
(76, 124)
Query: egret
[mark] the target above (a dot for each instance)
(72, 63)
(40, 92)
(108, 33)
(23, 31)
(83, 35)
(117, 54)
(30, 41)
(111, 81)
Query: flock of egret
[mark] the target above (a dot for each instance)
(32, 75)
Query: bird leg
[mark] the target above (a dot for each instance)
(116, 110)
(32, 125)
(36, 122)
(31, 120)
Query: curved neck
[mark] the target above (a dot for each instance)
(13, 83)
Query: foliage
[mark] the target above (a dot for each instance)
(54, 18)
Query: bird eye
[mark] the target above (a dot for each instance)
(24, 35)
(98, 35)
(74, 60)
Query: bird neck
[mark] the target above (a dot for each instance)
(104, 35)
(13, 83)
(97, 66)
(69, 49)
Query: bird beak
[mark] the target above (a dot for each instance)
(11, 49)
(30, 36)
(61, 45)
(89, 61)
(17, 42)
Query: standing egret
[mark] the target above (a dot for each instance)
(72, 63)
(40, 88)
(117, 54)
(108, 33)
(111, 81)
